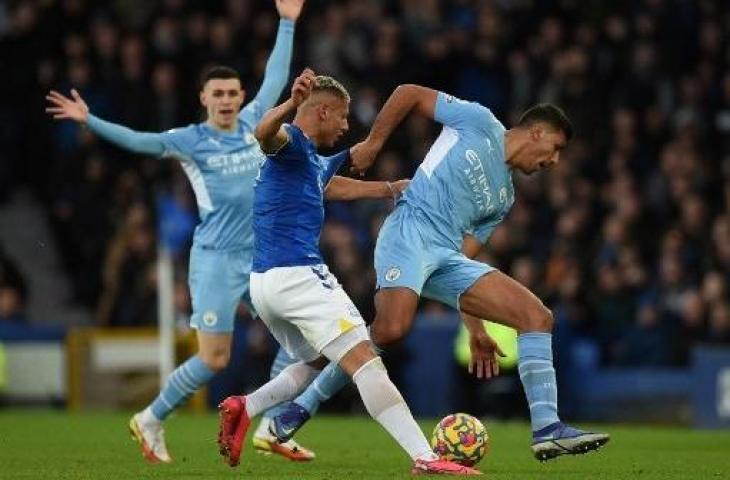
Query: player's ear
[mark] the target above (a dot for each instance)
(323, 111)
(203, 99)
(536, 132)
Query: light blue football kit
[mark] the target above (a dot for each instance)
(463, 186)
(222, 168)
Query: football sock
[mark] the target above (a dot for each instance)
(386, 405)
(538, 378)
(281, 361)
(185, 380)
(285, 386)
(327, 383)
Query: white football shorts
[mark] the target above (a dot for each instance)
(305, 308)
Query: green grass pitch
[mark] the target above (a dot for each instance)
(57, 445)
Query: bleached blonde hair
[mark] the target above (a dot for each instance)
(329, 84)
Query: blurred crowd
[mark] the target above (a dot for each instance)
(627, 239)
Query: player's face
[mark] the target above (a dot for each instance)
(545, 146)
(222, 98)
(334, 120)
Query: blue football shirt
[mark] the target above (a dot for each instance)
(288, 206)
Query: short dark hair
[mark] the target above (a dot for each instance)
(550, 114)
(218, 72)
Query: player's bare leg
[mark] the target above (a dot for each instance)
(395, 309)
(501, 299)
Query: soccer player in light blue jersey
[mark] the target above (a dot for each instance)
(301, 302)
(221, 159)
(463, 189)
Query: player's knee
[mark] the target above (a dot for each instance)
(539, 319)
(216, 360)
(386, 331)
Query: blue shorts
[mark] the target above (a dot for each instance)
(410, 253)
(219, 280)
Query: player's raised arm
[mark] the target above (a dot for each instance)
(276, 74)
(270, 132)
(344, 188)
(402, 101)
(75, 108)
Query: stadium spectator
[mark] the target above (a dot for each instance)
(638, 211)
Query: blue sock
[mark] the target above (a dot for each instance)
(281, 361)
(538, 378)
(328, 382)
(181, 384)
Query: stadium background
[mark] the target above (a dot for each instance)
(627, 239)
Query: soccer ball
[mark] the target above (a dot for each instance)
(461, 438)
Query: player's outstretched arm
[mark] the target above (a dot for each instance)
(276, 74)
(402, 101)
(270, 132)
(344, 188)
(75, 108)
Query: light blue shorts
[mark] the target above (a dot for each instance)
(410, 253)
(219, 280)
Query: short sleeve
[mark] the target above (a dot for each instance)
(333, 163)
(180, 141)
(483, 231)
(462, 115)
(288, 147)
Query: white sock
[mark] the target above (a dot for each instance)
(285, 386)
(386, 405)
(147, 417)
(262, 431)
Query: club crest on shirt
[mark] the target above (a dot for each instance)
(392, 274)
(210, 318)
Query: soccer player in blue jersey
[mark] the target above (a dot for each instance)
(221, 158)
(464, 188)
(301, 302)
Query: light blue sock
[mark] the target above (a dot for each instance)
(325, 386)
(538, 378)
(181, 384)
(281, 361)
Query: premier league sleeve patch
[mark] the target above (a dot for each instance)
(392, 274)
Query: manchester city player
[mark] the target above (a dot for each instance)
(221, 158)
(461, 191)
(301, 302)
(464, 187)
